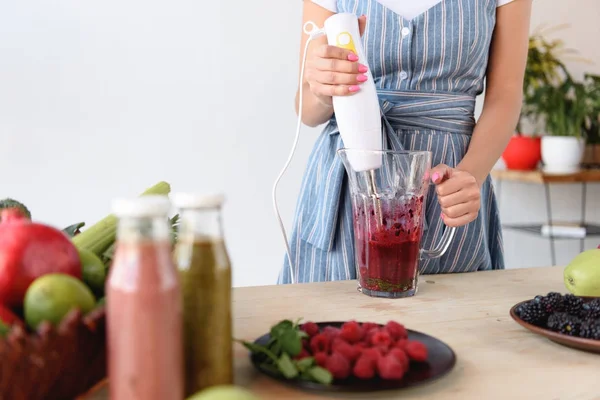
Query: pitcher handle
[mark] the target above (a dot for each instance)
(442, 246)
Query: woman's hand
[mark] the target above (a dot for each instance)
(333, 71)
(458, 194)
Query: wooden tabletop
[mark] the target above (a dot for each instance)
(591, 175)
(497, 359)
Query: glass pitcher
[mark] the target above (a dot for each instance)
(389, 193)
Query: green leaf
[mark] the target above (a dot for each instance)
(287, 367)
(281, 327)
(71, 230)
(305, 363)
(320, 375)
(258, 349)
(291, 343)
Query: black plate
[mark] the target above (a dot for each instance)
(575, 342)
(441, 360)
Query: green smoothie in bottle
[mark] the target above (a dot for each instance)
(205, 277)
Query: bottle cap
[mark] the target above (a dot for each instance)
(197, 201)
(143, 206)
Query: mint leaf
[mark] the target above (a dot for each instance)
(291, 343)
(281, 328)
(320, 375)
(258, 349)
(287, 367)
(305, 363)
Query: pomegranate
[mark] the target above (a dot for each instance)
(29, 250)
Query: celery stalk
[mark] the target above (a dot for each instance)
(100, 236)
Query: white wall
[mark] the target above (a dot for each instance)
(102, 99)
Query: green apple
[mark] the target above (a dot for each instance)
(224, 392)
(582, 275)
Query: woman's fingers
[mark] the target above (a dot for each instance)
(335, 78)
(337, 65)
(333, 90)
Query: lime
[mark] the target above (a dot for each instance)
(50, 297)
(93, 271)
(224, 392)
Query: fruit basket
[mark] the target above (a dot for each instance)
(52, 313)
(59, 362)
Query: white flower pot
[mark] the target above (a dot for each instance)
(562, 154)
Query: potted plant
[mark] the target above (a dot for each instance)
(592, 124)
(544, 67)
(564, 108)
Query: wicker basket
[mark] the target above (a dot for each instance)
(54, 363)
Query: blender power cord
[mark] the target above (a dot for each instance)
(313, 33)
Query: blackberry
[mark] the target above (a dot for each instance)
(591, 310)
(532, 312)
(590, 330)
(573, 304)
(565, 324)
(552, 302)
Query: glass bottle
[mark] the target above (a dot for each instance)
(144, 310)
(205, 276)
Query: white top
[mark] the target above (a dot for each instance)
(409, 9)
(141, 207)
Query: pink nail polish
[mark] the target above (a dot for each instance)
(435, 177)
(352, 57)
(361, 78)
(354, 88)
(362, 68)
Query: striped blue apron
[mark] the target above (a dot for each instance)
(428, 71)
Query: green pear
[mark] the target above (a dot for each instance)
(224, 392)
(582, 275)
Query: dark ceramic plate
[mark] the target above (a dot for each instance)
(441, 360)
(590, 345)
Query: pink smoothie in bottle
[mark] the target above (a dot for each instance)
(144, 310)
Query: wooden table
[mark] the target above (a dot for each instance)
(497, 359)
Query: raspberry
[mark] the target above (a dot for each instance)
(396, 330)
(364, 367)
(401, 344)
(306, 344)
(331, 331)
(351, 332)
(401, 356)
(361, 345)
(342, 347)
(390, 368)
(303, 354)
(372, 353)
(369, 326)
(320, 343)
(416, 351)
(338, 366)
(381, 339)
(320, 359)
(310, 328)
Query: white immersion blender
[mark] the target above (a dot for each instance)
(358, 116)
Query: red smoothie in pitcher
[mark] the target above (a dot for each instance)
(387, 248)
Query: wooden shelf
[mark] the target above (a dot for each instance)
(590, 175)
